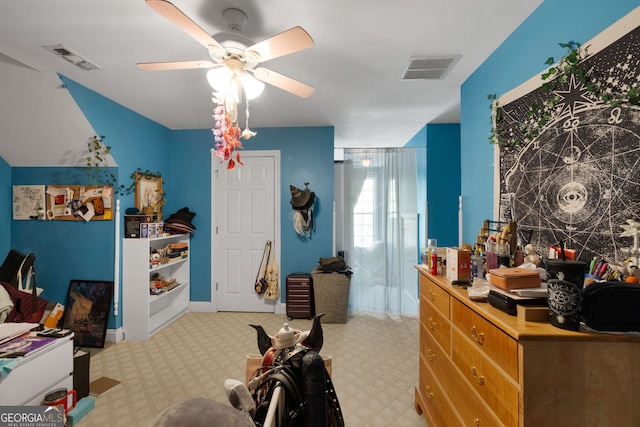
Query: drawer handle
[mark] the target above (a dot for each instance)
(476, 421)
(429, 392)
(431, 355)
(478, 336)
(431, 323)
(432, 295)
(480, 378)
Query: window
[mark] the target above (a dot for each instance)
(363, 232)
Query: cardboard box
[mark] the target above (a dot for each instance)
(458, 265)
(514, 278)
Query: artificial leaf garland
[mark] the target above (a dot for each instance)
(226, 132)
(583, 87)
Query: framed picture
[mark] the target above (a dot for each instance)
(28, 202)
(148, 193)
(87, 311)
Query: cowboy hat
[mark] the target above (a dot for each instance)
(181, 221)
(301, 199)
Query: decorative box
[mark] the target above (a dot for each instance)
(458, 265)
(514, 278)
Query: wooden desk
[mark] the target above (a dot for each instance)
(39, 372)
(482, 367)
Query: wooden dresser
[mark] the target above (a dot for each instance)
(482, 367)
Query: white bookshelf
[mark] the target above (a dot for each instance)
(145, 314)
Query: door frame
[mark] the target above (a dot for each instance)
(216, 165)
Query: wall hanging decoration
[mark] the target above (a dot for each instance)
(28, 202)
(149, 196)
(302, 202)
(79, 203)
(567, 146)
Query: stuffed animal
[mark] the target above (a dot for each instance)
(531, 255)
(154, 258)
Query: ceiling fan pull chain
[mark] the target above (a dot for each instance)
(247, 133)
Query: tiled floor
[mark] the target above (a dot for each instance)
(374, 363)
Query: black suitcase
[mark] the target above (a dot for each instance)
(299, 296)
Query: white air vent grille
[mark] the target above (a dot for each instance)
(72, 57)
(429, 68)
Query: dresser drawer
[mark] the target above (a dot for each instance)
(437, 296)
(431, 350)
(471, 407)
(498, 391)
(496, 344)
(436, 324)
(438, 406)
(38, 373)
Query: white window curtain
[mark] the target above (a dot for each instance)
(381, 229)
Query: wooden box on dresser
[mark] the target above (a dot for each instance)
(482, 367)
(144, 314)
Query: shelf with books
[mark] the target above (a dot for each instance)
(145, 262)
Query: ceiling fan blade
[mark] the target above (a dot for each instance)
(289, 41)
(283, 82)
(175, 15)
(175, 65)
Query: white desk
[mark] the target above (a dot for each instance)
(39, 372)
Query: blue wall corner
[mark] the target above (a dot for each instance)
(419, 143)
(438, 173)
(443, 182)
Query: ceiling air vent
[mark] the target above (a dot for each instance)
(429, 68)
(70, 56)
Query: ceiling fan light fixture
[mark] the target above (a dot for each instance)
(219, 79)
(252, 86)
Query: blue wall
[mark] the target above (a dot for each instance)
(64, 250)
(518, 59)
(443, 182)
(306, 156)
(438, 164)
(68, 250)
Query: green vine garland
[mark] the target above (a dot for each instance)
(540, 115)
(98, 172)
(97, 168)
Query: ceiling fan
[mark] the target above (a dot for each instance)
(236, 59)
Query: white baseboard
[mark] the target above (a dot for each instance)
(115, 335)
(201, 307)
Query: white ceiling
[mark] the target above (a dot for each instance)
(362, 49)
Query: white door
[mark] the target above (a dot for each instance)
(246, 213)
